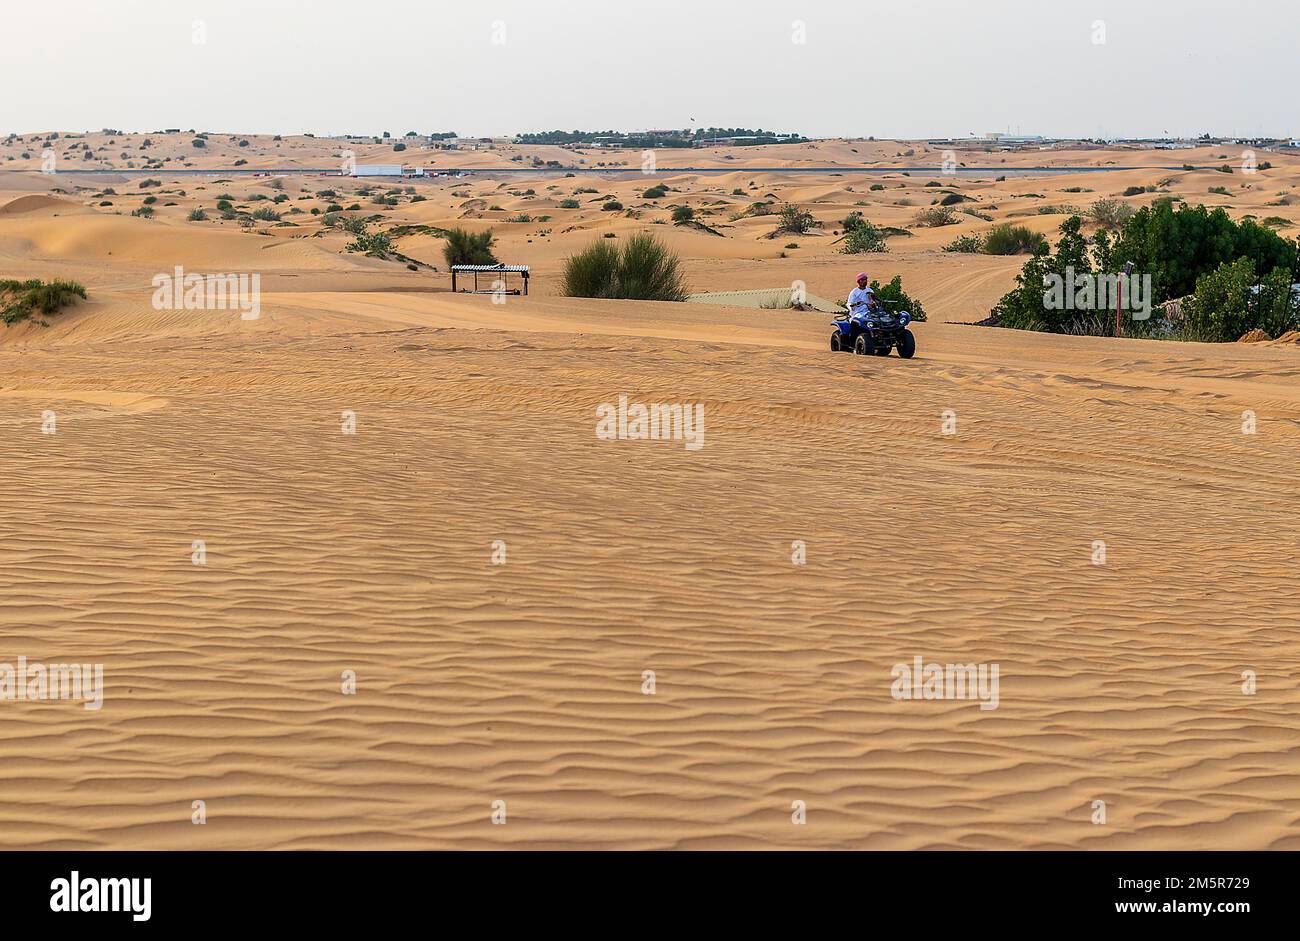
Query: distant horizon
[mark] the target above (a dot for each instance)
(828, 68)
(396, 136)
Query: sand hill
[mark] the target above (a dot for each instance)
(524, 682)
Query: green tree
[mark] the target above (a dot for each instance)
(469, 248)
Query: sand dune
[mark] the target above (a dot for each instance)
(523, 682)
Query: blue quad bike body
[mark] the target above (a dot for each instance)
(874, 333)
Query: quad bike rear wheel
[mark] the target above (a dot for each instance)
(837, 343)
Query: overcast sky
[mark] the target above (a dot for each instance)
(907, 69)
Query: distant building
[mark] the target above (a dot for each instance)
(377, 169)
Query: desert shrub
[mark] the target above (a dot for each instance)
(935, 216)
(655, 192)
(643, 269)
(1110, 213)
(199, 142)
(1220, 191)
(399, 146)
(1224, 168)
(683, 214)
(876, 187)
(953, 199)
(570, 204)
(1023, 307)
(266, 214)
(197, 215)
(464, 247)
(592, 272)
(863, 237)
(20, 300)
(612, 205)
(897, 298)
(371, 243)
(1177, 246)
(795, 220)
(966, 244)
(1230, 302)
(144, 212)
(1008, 239)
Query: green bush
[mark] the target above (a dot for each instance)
(893, 292)
(469, 248)
(266, 214)
(1230, 302)
(612, 206)
(864, 237)
(1177, 246)
(643, 269)
(20, 300)
(592, 272)
(795, 220)
(935, 216)
(1008, 239)
(966, 244)
(379, 244)
(655, 192)
(570, 204)
(197, 215)
(1110, 213)
(683, 214)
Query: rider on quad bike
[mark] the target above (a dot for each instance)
(869, 328)
(862, 300)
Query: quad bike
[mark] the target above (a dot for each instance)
(874, 333)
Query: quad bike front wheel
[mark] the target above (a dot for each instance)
(863, 345)
(907, 345)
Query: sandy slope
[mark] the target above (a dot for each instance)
(522, 682)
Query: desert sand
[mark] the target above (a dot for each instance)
(523, 682)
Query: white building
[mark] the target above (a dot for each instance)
(377, 169)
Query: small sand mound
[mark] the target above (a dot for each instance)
(1255, 336)
(1291, 336)
(37, 203)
